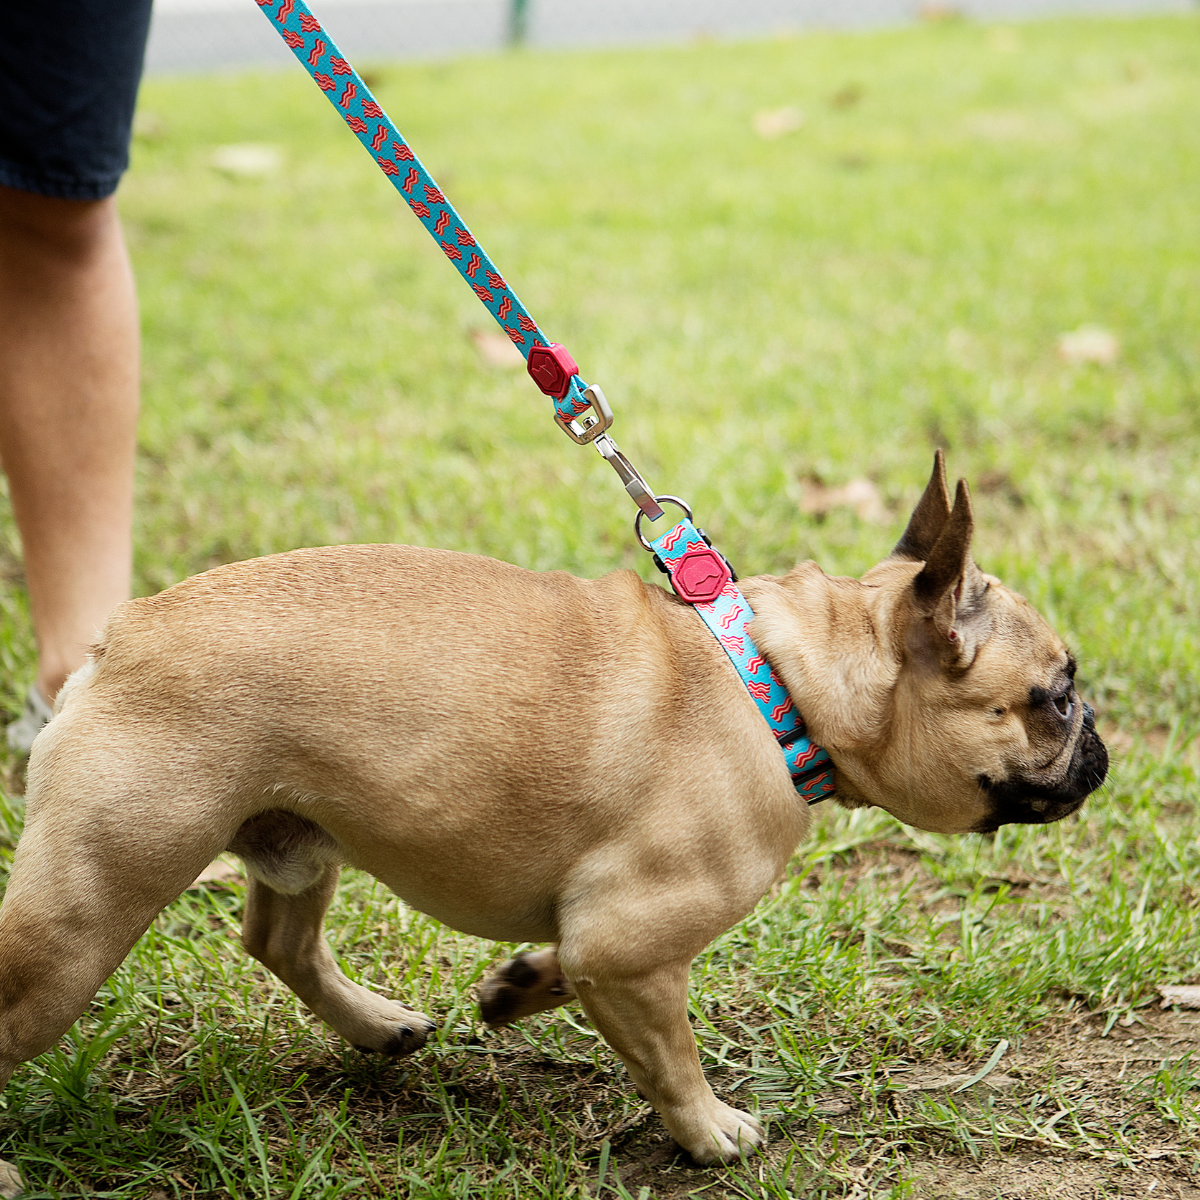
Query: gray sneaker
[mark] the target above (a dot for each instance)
(35, 716)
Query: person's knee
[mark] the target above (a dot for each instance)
(67, 230)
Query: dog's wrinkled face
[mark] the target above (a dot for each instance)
(1048, 758)
(990, 736)
(941, 695)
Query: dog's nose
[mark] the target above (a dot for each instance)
(1089, 716)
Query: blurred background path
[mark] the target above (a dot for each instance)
(194, 35)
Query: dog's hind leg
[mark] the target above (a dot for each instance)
(85, 884)
(527, 983)
(282, 929)
(99, 859)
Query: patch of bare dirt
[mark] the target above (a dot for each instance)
(1104, 1076)
(1048, 1179)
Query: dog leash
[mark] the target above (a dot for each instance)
(699, 574)
(580, 410)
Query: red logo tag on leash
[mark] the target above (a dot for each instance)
(551, 368)
(699, 574)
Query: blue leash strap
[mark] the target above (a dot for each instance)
(356, 105)
(697, 571)
(580, 410)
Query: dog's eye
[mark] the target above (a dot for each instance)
(1063, 704)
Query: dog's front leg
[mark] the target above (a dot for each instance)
(284, 933)
(644, 1018)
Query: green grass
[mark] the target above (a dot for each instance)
(828, 306)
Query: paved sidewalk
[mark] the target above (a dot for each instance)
(197, 35)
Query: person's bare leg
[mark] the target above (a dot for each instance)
(68, 411)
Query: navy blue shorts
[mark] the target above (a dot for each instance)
(69, 73)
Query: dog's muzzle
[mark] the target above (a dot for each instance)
(1020, 801)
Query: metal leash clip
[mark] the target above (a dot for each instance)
(593, 427)
(638, 489)
(552, 368)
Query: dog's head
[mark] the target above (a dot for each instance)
(941, 695)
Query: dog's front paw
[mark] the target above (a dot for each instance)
(525, 984)
(399, 1037)
(724, 1134)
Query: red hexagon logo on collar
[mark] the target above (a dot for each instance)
(699, 574)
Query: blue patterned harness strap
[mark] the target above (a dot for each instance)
(695, 569)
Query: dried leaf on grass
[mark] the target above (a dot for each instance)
(1185, 995)
(496, 350)
(1089, 344)
(148, 127)
(11, 1183)
(247, 159)
(1004, 40)
(861, 495)
(997, 1081)
(999, 126)
(772, 123)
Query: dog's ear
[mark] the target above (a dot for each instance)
(950, 590)
(929, 517)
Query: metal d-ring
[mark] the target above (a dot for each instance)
(594, 424)
(637, 521)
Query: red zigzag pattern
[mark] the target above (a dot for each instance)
(731, 616)
(805, 757)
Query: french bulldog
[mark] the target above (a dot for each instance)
(526, 757)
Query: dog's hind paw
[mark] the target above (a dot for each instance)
(726, 1135)
(525, 984)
